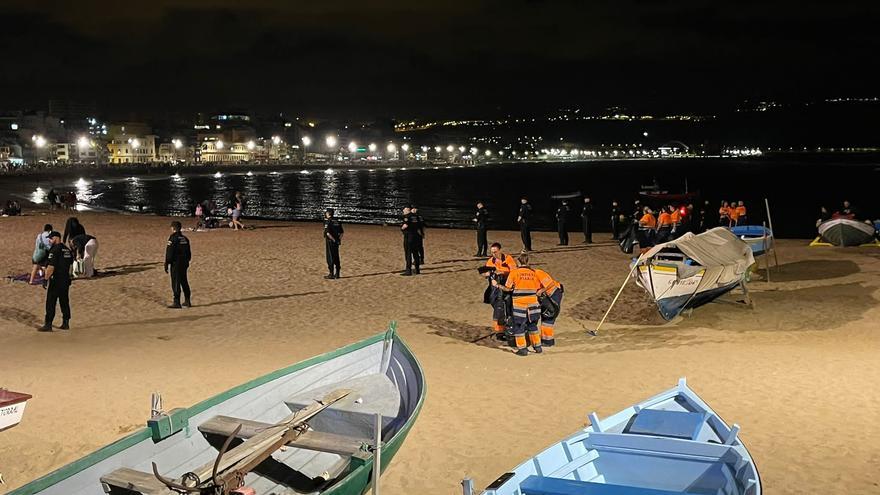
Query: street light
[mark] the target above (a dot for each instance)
(461, 149)
(331, 141)
(177, 143)
(352, 147)
(307, 141)
(372, 147)
(251, 144)
(83, 142)
(405, 147)
(134, 142)
(437, 149)
(450, 148)
(220, 145)
(276, 140)
(392, 147)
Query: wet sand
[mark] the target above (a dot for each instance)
(799, 372)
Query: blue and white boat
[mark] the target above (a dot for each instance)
(692, 270)
(758, 237)
(670, 444)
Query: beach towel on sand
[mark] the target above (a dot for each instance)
(38, 280)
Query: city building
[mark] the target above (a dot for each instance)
(63, 152)
(218, 151)
(131, 142)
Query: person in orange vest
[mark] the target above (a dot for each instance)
(741, 218)
(724, 214)
(676, 221)
(523, 283)
(645, 234)
(554, 290)
(503, 265)
(664, 225)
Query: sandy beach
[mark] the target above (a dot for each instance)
(798, 373)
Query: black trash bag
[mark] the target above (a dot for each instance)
(549, 308)
(629, 239)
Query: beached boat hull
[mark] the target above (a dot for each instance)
(370, 368)
(758, 237)
(12, 405)
(672, 443)
(716, 264)
(845, 232)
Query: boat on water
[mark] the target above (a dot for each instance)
(670, 444)
(307, 428)
(758, 237)
(692, 270)
(846, 232)
(653, 191)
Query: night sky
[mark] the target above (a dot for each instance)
(340, 58)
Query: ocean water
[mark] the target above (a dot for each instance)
(795, 186)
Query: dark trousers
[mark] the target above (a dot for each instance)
(563, 234)
(615, 228)
(55, 294)
(526, 233)
(482, 242)
(588, 230)
(333, 263)
(179, 281)
(411, 253)
(420, 248)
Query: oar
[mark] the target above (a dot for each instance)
(620, 291)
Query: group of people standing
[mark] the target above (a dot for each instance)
(58, 258)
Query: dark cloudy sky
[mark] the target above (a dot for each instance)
(410, 58)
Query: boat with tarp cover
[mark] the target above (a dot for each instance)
(692, 270)
(308, 428)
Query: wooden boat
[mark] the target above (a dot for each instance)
(846, 232)
(307, 428)
(692, 270)
(12, 406)
(670, 444)
(758, 237)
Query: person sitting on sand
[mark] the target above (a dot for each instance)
(42, 245)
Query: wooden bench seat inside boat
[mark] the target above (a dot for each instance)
(355, 415)
(537, 485)
(132, 480)
(312, 440)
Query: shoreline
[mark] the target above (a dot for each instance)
(805, 351)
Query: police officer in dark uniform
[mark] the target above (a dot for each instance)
(615, 220)
(58, 282)
(523, 219)
(482, 220)
(561, 217)
(332, 239)
(420, 234)
(587, 220)
(410, 245)
(177, 256)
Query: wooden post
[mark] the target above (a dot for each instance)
(377, 455)
(766, 252)
(628, 276)
(770, 222)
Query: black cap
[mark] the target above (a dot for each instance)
(54, 233)
(331, 211)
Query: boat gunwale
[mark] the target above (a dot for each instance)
(144, 433)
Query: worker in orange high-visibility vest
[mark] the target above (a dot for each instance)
(664, 225)
(503, 264)
(741, 218)
(724, 214)
(553, 289)
(524, 284)
(676, 222)
(645, 234)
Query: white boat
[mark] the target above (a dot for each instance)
(670, 444)
(692, 270)
(846, 232)
(12, 406)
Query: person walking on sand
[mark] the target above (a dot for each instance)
(410, 244)
(57, 283)
(42, 245)
(177, 257)
(237, 207)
